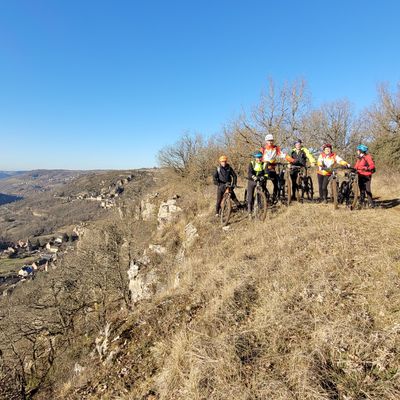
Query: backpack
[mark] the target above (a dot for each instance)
(373, 170)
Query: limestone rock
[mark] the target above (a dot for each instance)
(167, 212)
(158, 249)
(139, 284)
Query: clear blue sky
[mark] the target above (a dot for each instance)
(105, 84)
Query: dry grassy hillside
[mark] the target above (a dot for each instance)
(303, 306)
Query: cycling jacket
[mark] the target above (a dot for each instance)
(328, 161)
(256, 168)
(224, 175)
(365, 165)
(271, 155)
(301, 156)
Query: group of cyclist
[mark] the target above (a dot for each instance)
(265, 161)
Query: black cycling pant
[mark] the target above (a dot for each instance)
(293, 175)
(273, 176)
(364, 183)
(251, 186)
(323, 181)
(220, 193)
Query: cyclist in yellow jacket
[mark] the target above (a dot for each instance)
(256, 173)
(300, 156)
(326, 161)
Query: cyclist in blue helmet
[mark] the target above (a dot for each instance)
(365, 167)
(256, 172)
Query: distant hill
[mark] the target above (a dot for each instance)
(8, 174)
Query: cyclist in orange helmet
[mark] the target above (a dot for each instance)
(223, 177)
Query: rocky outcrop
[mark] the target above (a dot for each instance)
(167, 212)
(148, 208)
(140, 284)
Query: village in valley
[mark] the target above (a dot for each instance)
(33, 258)
(21, 260)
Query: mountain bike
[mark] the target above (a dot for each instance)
(334, 186)
(349, 190)
(226, 206)
(304, 183)
(260, 199)
(284, 183)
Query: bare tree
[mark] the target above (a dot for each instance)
(384, 116)
(179, 155)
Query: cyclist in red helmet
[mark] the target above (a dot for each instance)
(326, 161)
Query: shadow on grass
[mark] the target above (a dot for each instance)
(8, 198)
(387, 203)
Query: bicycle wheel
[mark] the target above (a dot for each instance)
(299, 186)
(343, 193)
(288, 188)
(334, 189)
(356, 193)
(310, 188)
(260, 205)
(226, 208)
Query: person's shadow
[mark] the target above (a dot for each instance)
(387, 203)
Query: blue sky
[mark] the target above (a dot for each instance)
(105, 84)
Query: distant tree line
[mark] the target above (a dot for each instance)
(287, 112)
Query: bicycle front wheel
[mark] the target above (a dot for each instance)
(334, 189)
(260, 205)
(288, 188)
(310, 188)
(226, 209)
(356, 193)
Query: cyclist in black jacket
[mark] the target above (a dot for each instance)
(223, 177)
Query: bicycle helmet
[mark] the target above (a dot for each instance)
(269, 137)
(363, 148)
(257, 154)
(223, 158)
(326, 145)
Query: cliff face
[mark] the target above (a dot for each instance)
(303, 305)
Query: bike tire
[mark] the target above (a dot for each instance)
(260, 205)
(343, 193)
(310, 191)
(226, 209)
(356, 193)
(334, 190)
(289, 188)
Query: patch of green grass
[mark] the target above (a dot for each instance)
(9, 265)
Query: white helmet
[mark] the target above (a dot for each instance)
(269, 137)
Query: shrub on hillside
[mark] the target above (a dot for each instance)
(386, 151)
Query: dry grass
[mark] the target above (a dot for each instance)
(303, 306)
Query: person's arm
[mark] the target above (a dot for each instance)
(250, 171)
(340, 161)
(216, 177)
(288, 158)
(309, 156)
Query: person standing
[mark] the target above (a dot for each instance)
(255, 173)
(271, 153)
(365, 167)
(223, 177)
(300, 155)
(326, 161)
